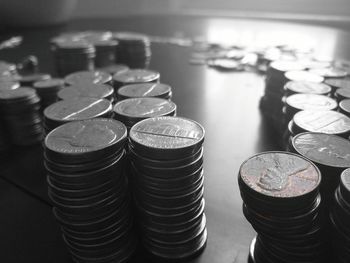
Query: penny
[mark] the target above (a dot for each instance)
(303, 76)
(323, 148)
(280, 175)
(159, 90)
(307, 87)
(136, 76)
(90, 90)
(95, 77)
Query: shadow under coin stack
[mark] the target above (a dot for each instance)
(95, 77)
(131, 111)
(134, 76)
(75, 110)
(133, 50)
(47, 91)
(281, 199)
(166, 156)
(19, 110)
(330, 153)
(340, 218)
(158, 90)
(89, 189)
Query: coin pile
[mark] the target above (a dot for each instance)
(158, 90)
(166, 158)
(20, 112)
(82, 77)
(87, 90)
(344, 107)
(73, 55)
(89, 190)
(131, 111)
(8, 83)
(133, 50)
(114, 69)
(330, 153)
(47, 90)
(281, 199)
(134, 76)
(340, 217)
(75, 110)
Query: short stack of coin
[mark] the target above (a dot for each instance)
(75, 110)
(95, 77)
(340, 218)
(131, 111)
(133, 49)
(134, 76)
(87, 90)
(89, 190)
(344, 107)
(20, 111)
(73, 55)
(281, 199)
(330, 153)
(158, 90)
(47, 90)
(166, 156)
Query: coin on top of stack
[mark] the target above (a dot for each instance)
(131, 111)
(95, 77)
(47, 90)
(344, 107)
(281, 200)
(305, 87)
(89, 190)
(89, 90)
(20, 112)
(73, 110)
(166, 156)
(337, 83)
(158, 90)
(330, 72)
(9, 82)
(133, 49)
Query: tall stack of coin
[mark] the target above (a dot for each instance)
(89, 190)
(47, 90)
(306, 87)
(87, 90)
(344, 107)
(281, 199)
(131, 111)
(134, 76)
(20, 111)
(158, 90)
(133, 49)
(75, 110)
(95, 77)
(340, 218)
(271, 103)
(330, 153)
(114, 69)
(167, 167)
(73, 55)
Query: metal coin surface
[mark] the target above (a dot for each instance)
(323, 148)
(308, 87)
(303, 76)
(136, 76)
(284, 66)
(8, 85)
(17, 94)
(49, 84)
(330, 72)
(345, 179)
(344, 106)
(115, 69)
(329, 122)
(28, 80)
(168, 134)
(90, 90)
(338, 83)
(311, 102)
(145, 90)
(342, 94)
(280, 175)
(84, 108)
(95, 77)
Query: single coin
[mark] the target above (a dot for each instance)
(280, 175)
(115, 69)
(282, 66)
(145, 90)
(307, 87)
(7, 68)
(49, 84)
(323, 148)
(95, 77)
(90, 90)
(137, 76)
(311, 102)
(29, 80)
(330, 72)
(329, 122)
(303, 76)
(167, 137)
(338, 83)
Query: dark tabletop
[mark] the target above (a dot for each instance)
(226, 104)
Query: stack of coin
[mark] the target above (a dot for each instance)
(133, 49)
(131, 111)
(134, 76)
(105, 52)
(340, 218)
(87, 90)
(20, 111)
(330, 153)
(337, 83)
(74, 110)
(82, 77)
(271, 103)
(342, 94)
(47, 90)
(114, 69)
(281, 199)
(89, 190)
(29, 79)
(167, 167)
(7, 68)
(158, 90)
(306, 87)
(73, 55)
(344, 107)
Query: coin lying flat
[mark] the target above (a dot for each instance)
(159, 90)
(90, 90)
(344, 107)
(115, 69)
(95, 77)
(338, 83)
(307, 87)
(303, 76)
(311, 102)
(330, 72)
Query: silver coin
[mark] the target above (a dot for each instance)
(303, 76)
(145, 90)
(137, 76)
(311, 102)
(95, 77)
